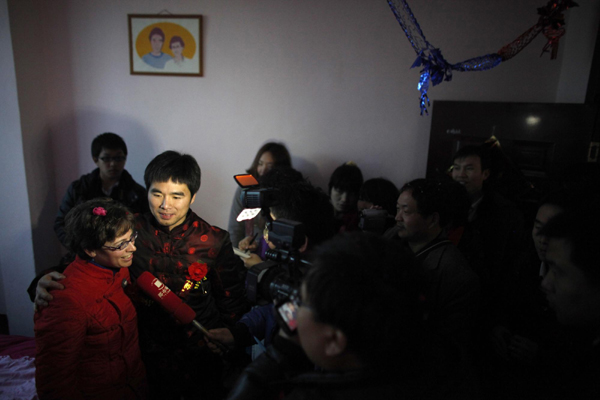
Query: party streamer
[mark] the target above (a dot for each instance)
(435, 69)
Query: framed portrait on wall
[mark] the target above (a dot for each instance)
(165, 45)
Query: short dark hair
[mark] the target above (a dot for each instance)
(380, 192)
(346, 178)
(176, 39)
(86, 230)
(171, 165)
(281, 176)
(431, 196)
(481, 151)
(278, 151)
(156, 31)
(298, 200)
(360, 281)
(578, 226)
(107, 140)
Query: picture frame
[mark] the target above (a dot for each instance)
(166, 45)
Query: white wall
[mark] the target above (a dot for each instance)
(16, 251)
(331, 79)
(576, 57)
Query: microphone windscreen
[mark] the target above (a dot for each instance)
(160, 293)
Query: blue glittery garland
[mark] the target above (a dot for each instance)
(436, 69)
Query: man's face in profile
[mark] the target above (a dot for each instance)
(156, 41)
(574, 296)
(412, 226)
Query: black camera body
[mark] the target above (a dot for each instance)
(257, 197)
(375, 221)
(279, 276)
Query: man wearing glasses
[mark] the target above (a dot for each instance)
(110, 179)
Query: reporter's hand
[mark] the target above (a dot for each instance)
(47, 283)
(501, 338)
(245, 244)
(222, 335)
(523, 349)
(293, 338)
(252, 260)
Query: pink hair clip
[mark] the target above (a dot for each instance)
(99, 211)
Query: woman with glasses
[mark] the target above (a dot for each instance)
(87, 338)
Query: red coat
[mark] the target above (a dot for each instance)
(87, 338)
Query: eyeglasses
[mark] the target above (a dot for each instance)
(123, 245)
(117, 159)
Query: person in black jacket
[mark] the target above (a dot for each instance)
(110, 179)
(358, 319)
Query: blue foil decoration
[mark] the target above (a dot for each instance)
(436, 69)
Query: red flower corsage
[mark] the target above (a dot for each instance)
(197, 271)
(99, 211)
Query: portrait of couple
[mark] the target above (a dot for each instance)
(161, 46)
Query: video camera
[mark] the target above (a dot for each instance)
(375, 221)
(279, 276)
(253, 197)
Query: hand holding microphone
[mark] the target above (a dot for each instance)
(184, 314)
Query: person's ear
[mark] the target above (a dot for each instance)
(302, 249)
(193, 198)
(336, 343)
(90, 253)
(95, 160)
(485, 174)
(435, 219)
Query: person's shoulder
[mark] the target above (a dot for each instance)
(448, 257)
(143, 222)
(355, 384)
(85, 180)
(456, 268)
(129, 182)
(126, 177)
(75, 294)
(204, 227)
(494, 200)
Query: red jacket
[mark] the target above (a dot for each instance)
(87, 338)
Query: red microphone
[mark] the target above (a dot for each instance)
(160, 293)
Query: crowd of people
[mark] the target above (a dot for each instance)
(441, 289)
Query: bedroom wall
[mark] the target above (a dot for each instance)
(16, 251)
(330, 79)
